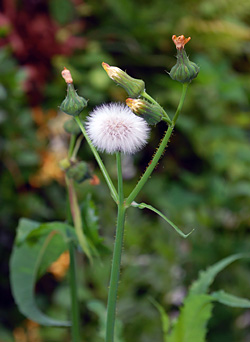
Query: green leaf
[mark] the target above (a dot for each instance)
(34, 250)
(147, 206)
(24, 228)
(206, 278)
(191, 324)
(90, 222)
(62, 234)
(230, 300)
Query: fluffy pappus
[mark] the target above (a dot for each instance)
(115, 128)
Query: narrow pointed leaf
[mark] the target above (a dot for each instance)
(165, 323)
(206, 277)
(230, 300)
(34, 250)
(147, 206)
(191, 325)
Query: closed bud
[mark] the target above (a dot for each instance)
(133, 86)
(151, 113)
(79, 171)
(71, 127)
(72, 104)
(64, 164)
(184, 71)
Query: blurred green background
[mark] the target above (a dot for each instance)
(202, 182)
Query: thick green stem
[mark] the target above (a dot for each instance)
(159, 152)
(75, 328)
(183, 95)
(99, 161)
(115, 269)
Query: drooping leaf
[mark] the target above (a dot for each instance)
(192, 322)
(230, 300)
(34, 250)
(24, 228)
(147, 206)
(60, 237)
(206, 278)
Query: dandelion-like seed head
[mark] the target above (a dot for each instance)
(115, 128)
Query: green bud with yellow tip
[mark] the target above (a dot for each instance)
(152, 113)
(133, 86)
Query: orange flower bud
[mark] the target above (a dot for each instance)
(184, 70)
(67, 76)
(180, 41)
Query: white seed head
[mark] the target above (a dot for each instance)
(115, 128)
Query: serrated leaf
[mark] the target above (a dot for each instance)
(206, 278)
(26, 260)
(147, 206)
(230, 300)
(191, 325)
(90, 222)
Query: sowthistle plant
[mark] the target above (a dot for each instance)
(118, 129)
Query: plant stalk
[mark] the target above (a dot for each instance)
(76, 216)
(71, 145)
(75, 328)
(179, 108)
(99, 161)
(116, 262)
(159, 152)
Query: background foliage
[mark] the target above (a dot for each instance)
(203, 181)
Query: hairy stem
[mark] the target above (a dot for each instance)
(159, 152)
(116, 262)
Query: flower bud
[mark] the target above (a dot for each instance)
(78, 171)
(71, 127)
(184, 71)
(64, 164)
(152, 113)
(72, 104)
(133, 86)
